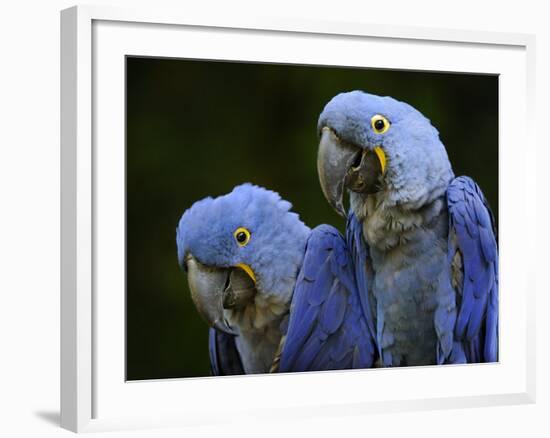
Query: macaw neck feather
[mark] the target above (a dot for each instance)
(389, 225)
(259, 326)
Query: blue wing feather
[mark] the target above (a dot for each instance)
(225, 360)
(332, 313)
(472, 235)
(327, 329)
(361, 262)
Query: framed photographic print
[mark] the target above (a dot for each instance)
(260, 207)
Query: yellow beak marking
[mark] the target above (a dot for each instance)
(248, 270)
(382, 157)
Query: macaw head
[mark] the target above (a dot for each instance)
(371, 144)
(238, 248)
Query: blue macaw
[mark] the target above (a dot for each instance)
(278, 296)
(423, 242)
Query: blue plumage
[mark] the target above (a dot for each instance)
(327, 328)
(471, 234)
(361, 263)
(423, 242)
(305, 313)
(224, 356)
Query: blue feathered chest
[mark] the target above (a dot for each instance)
(410, 280)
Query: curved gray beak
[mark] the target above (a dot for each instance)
(334, 158)
(216, 289)
(207, 287)
(345, 166)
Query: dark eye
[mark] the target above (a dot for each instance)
(380, 124)
(242, 236)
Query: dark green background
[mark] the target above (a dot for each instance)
(199, 128)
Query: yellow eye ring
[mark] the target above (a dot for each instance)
(379, 124)
(242, 236)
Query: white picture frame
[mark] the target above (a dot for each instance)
(94, 42)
